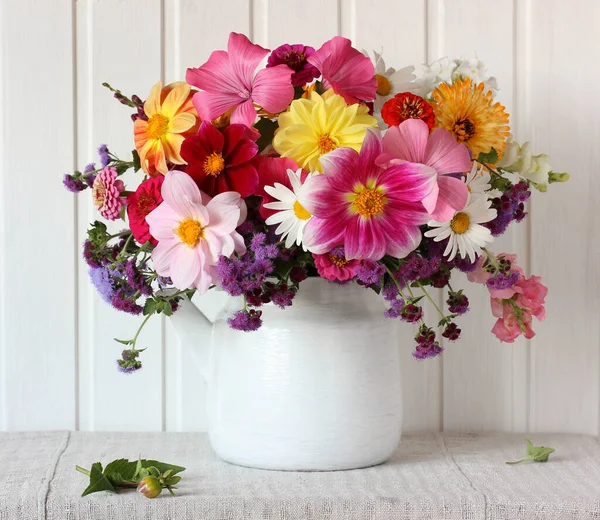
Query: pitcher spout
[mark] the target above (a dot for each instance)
(194, 329)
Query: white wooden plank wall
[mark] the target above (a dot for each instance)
(57, 357)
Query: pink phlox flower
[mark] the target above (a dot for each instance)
(193, 231)
(228, 80)
(346, 70)
(411, 142)
(368, 209)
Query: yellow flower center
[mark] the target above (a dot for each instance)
(369, 203)
(157, 126)
(460, 223)
(464, 129)
(337, 261)
(301, 212)
(214, 164)
(190, 231)
(326, 144)
(99, 194)
(384, 87)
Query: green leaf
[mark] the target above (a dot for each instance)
(490, 157)
(150, 306)
(541, 187)
(98, 482)
(122, 168)
(162, 466)
(538, 453)
(267, 128)
(136, 160)
(119, 471)
(123, 341)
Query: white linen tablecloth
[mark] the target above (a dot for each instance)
(431, 476)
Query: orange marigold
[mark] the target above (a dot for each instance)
(471, 116)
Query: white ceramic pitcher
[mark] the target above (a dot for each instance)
(317, 387)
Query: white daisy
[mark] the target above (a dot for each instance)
(390, 82)
(291, 215)
(464, 230)
(478, 179)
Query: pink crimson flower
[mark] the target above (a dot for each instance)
(346, 70)
(368, 209)
(193, 231)
(296, 58)
(228, 80)
(106, 193)
(334, 266)
(411, 142)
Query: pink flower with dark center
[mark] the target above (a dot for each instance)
(334, 266)
(368, 209)
(346, 70)
(411, 142)
(106, 193)
(228, 80)
(296, 58)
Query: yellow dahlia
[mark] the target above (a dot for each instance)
(471, 116)
(318, 125)
(171, 118)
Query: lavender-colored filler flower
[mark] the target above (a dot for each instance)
(295, 57)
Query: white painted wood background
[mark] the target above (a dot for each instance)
(57, 357)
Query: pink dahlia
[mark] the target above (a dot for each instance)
(106, 193)
(368, 209)
(228, 81)
(346, 70)
(411, 142)
(334, 266)
(193, 231)
(296, 58)
(221, 160)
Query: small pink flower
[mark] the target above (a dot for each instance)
(334, 266)
(411, 142)
(193, 231)
(106, 193)
(227, 81)
(346, 70)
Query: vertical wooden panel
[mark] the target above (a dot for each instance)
(479, 371)
(376, 26)
(119, 41)
(187, 46)
(565, 232)
(37, 296)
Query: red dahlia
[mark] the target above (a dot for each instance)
(407, 106)
(220, 160)
(146, 198)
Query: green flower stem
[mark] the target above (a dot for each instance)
(122, 233)
(492, 259)
(396, 283)
(491, 170)
(431, 299)
(134, 340)
(83, 470)
(450, 287)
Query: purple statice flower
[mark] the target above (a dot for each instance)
(427, 346)
(411, 313)
(282, 296)
(451, 332)
(395, 309)
(370, 272)
(129, 361)
(104, 156)
(74, 184)
(502, 281)
(245, 320)
(296, 58)
(102, 281)
(509, 206)
(457, 302)
(121, 302)
(389, 291)
(464, 264)
(417, 268)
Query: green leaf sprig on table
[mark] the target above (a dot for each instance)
(535, 454)
(150, 477)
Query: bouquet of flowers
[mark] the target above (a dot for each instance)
(266, 167)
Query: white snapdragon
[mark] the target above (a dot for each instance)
(519, 160)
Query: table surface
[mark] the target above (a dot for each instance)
(431, 476)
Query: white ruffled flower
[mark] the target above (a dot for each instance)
(447, 71)
(478, 182)
(390, 82)
(464, 231)
(518, 160)
(291, 215)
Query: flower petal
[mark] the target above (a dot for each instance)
(273, 88)
(185, 266)
(244, 57)
(152, 104)
(446, 155)
(177, 95)
(178, 191)
(163, 255)
(453, 196)
(211, 105)
(182, 123)
(407, 141)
